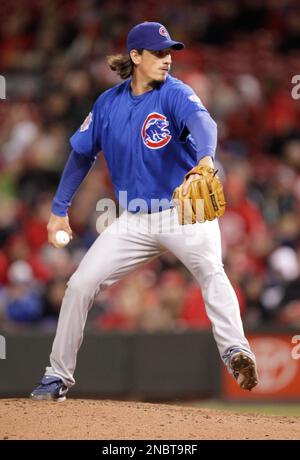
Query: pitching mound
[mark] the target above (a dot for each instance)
(91, 419)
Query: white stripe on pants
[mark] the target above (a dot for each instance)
(128, 242)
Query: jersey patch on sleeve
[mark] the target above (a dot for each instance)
(194, 98)
(85, 125)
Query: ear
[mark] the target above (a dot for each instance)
(135, 56)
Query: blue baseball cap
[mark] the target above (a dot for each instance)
(151, 36)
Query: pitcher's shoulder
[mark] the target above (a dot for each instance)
(112, 92)
(173, 84)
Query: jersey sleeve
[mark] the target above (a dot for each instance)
(203, 130)
(87, 139)
(182, 102)
(75, 170)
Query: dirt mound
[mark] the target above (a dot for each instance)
(92, 419)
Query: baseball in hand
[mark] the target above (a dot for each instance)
(62, 238)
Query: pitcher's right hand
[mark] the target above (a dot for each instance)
(55, 224)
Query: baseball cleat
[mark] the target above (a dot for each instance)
(51, 388)
(244, 370)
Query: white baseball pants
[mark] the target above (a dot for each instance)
(128, 242)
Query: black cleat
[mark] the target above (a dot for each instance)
(244, 370)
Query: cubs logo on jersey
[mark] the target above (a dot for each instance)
(154, 131)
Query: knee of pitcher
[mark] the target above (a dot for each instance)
(81, 286)
(205, 277)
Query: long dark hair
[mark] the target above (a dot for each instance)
(122, 64)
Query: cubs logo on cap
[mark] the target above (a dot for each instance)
(155, 132)
(163, 31)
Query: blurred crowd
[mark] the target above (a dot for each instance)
(240, 58)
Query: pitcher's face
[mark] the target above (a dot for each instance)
(154, 65)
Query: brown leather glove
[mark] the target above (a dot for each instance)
(204, 199)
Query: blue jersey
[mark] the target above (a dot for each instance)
(143, 138)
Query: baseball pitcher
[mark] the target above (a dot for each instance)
(159, 143)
